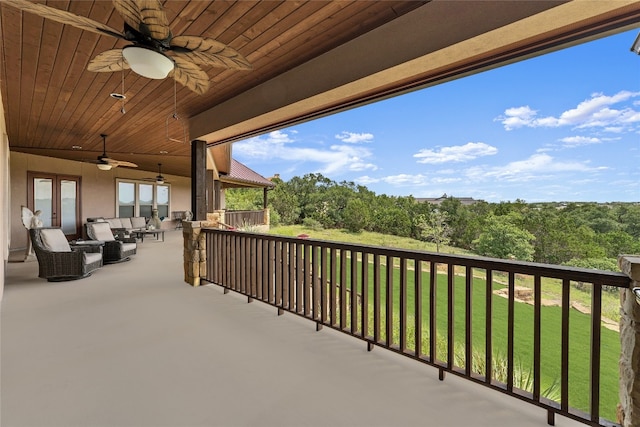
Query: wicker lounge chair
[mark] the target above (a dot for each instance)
(58, 261)
(115, 250)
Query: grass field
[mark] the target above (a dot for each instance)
(579, 362)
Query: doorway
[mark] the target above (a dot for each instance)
(58, 199)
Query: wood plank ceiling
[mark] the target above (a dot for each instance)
(52, 103)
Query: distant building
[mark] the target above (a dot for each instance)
(466, 201)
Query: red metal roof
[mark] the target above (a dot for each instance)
(243, 176)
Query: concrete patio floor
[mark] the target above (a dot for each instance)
(133, 345)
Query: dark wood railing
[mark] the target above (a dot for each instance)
(441, 310)
(239, 219)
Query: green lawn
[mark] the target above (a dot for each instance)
(579, 363)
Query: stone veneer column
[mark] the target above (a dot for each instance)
(195, 252)
(629, 408)
(195, 247)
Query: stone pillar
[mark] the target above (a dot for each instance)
(267, 217)
(195, 252)
(629, 408)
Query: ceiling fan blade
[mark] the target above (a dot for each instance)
(146, 16)
(108, 61)
(190, 75)
(116, 163)
(64, 17)
(207, 51)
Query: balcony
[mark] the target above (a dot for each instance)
(133, 345)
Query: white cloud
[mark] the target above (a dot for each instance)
(538, 166)
(354, 138)
(574, 141)
(366, 180)
(405, 179)
(596, 111)
(279, 145)
(456, 153)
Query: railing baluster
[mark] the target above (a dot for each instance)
(564, 363)
(537, 347)
(300, 279)
(468, 317)
(417, 291)
(433, 284)
(343, 288)
(292, 276)
(364, 329)
(286, 248)
(450, 316)
(353, 294)
(488, 327)
(315, 285)
(323, 284)
(333, 303)
(403, 304)
(389, 302)
(376, 297)
(307, 280)
(278, 264)
(510, 329)
(596, 329)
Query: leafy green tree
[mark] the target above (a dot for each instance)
(435, 228)
(503, 239)
(244, 199)
(356, 215)
(285, 202)
(617, 243)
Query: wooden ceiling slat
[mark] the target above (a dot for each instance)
(12, 53)
(31, 41)
(51, 36)
(78, 80)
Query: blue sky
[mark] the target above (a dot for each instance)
(560, 127)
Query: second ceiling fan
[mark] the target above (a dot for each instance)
(106, 163)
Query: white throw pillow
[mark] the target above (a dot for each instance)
(53, 240)
(102, 231)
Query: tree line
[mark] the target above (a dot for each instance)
(590, 235)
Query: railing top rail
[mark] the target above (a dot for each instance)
(602, 277)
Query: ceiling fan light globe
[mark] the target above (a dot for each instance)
(147, 63)
(104, 166)
(159, 180)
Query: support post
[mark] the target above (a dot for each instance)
(629, 407)
(199, 180)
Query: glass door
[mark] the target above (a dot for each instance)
(57, 197)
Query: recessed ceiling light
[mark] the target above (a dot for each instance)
(164, 152)
(118, 96)
(76, 147)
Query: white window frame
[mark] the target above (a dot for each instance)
(136, 194)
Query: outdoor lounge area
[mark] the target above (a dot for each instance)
(133, 345)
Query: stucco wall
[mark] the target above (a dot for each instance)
(98, 188)
(5, 187)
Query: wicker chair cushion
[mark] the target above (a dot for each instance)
(126, 223)
(102, 231)
(91, 257)
(138, 222)
(126, 247)
(53, 240)
(114, 223)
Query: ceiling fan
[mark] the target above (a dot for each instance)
(105, 163)
(159, 179)
(147, 28)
